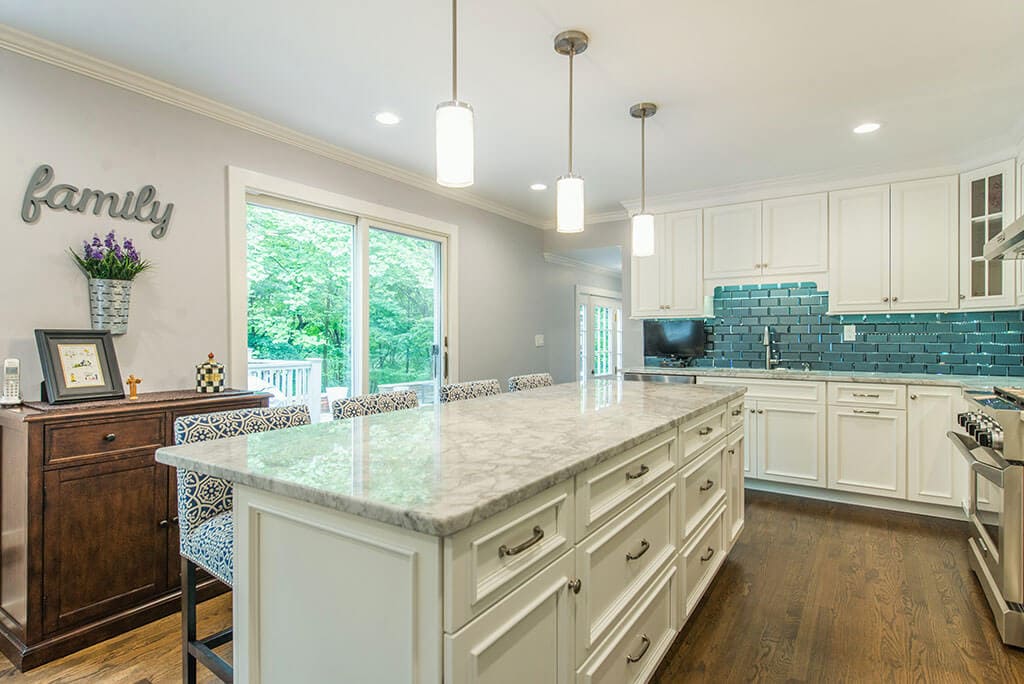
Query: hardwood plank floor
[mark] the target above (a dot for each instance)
(813, 592)
(821, 592)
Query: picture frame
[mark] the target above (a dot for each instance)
(79, 365)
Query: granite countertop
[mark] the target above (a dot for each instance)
(965, 381)
(439, 469)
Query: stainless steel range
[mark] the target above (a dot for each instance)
(991, 437)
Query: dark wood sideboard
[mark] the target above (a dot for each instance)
(88, 520)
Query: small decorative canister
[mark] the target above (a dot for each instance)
(108, 304)
(210, 376)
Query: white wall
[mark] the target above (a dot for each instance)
(101, 136)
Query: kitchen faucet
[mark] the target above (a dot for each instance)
(767, 342)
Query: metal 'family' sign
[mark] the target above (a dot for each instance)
(133, 206)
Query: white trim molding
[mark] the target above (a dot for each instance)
(243, 182)
(560, 260)
(64, 57)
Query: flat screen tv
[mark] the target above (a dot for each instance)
(680, 339)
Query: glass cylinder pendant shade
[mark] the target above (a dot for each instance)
(569, 205)
(454, 130)
(643, 235)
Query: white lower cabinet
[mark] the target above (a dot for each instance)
(735, 459)
(633, 652)
(701, 558)
(936, 472)
(525, 637)
(867, 451)
(790, 442)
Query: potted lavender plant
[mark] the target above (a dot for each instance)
(111, 267)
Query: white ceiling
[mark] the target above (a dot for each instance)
(748, 89)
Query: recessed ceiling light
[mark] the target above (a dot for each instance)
(538, 186)
(388, 118)
(869, 127)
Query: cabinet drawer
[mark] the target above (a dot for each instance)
(734, 415)
(618, 561)
(701, 559)
(861, 394)
(633, 652)
(488, 560)
(81, 439)
(702, 488)
(701, 432)
(607, 488)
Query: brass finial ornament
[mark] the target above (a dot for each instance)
(569, 188)
(643, 223)
(133, 387)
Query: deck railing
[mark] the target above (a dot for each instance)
(295, 382)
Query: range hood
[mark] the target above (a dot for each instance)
(1009, 244)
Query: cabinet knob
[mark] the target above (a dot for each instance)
(913, 396)
(110, 438)
(760, 410)
(885, 299)
(575, 585)
(963, 296)
(895, 299)
(163, 523)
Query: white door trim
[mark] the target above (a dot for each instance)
(241, 182)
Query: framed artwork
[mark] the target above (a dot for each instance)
(79, 365)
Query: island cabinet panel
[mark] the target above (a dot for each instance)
(89, 520)
(701, 432)
(702, 487)
(701, 558)
(735, 464)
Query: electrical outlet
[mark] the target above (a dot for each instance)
(849, 333)
(538, 340)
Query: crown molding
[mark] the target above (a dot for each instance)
(31, 46)
(805, 184)
(594, 219)
(560, 260)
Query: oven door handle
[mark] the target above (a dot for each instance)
(990, 465)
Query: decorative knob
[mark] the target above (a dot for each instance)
(575, 585)
(895, 299)
(110, 438)
(913, 397)
(885, 299)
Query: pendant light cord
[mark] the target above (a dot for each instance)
(643, 164)
(455, 51)
(572, 53)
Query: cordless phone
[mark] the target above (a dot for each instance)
(12, 383)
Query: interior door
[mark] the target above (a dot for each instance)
(599, 345)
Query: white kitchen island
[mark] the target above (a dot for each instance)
(555, 535)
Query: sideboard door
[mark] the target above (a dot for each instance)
(105, 540)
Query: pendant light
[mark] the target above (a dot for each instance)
(643, 223)
(454, 127)
(569, 189)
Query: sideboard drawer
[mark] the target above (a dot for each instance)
(701, 558)
(861, 394)
(485, 562)
(702, 487)
(608, 487)
(633, 652)
(697, 434)
(74, 440)
(617, 562)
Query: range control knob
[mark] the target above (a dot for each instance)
(984, 437)
(962, 418)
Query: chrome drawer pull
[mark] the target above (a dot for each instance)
(866, 413)
(538, 534)
(643, 651)
(644, 547)
(707, 556)
(575, 585)
(865, 396)
(638, 474)
(704, 432)
(707, 485)
(110, 438)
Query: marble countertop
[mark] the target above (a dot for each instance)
(966, 381)
(440, 469)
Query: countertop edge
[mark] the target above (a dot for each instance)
(963, 381)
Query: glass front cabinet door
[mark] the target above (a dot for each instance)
(986, 207)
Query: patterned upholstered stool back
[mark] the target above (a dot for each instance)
(469, 390)
(371, 404)
(200, 497)
(518, 383)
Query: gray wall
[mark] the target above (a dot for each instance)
(561, 315)
(104, 137)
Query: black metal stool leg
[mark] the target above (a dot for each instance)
(188, 620)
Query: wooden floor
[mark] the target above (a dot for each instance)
(813, 592)
(821, 592)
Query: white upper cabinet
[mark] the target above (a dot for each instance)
(924, 245)
(669, 283)
(986, 207)
(795, 235)
(732, 241)
(1020, 212)
(858, 237)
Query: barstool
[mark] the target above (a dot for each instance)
(518, 383)
(206, 526)
(371, 404)
(457, 391)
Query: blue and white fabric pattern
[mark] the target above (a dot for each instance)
(473, 389)
(372, 404)
(202, 499)
(518, 383)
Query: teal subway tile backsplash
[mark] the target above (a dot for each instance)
(962, 343)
